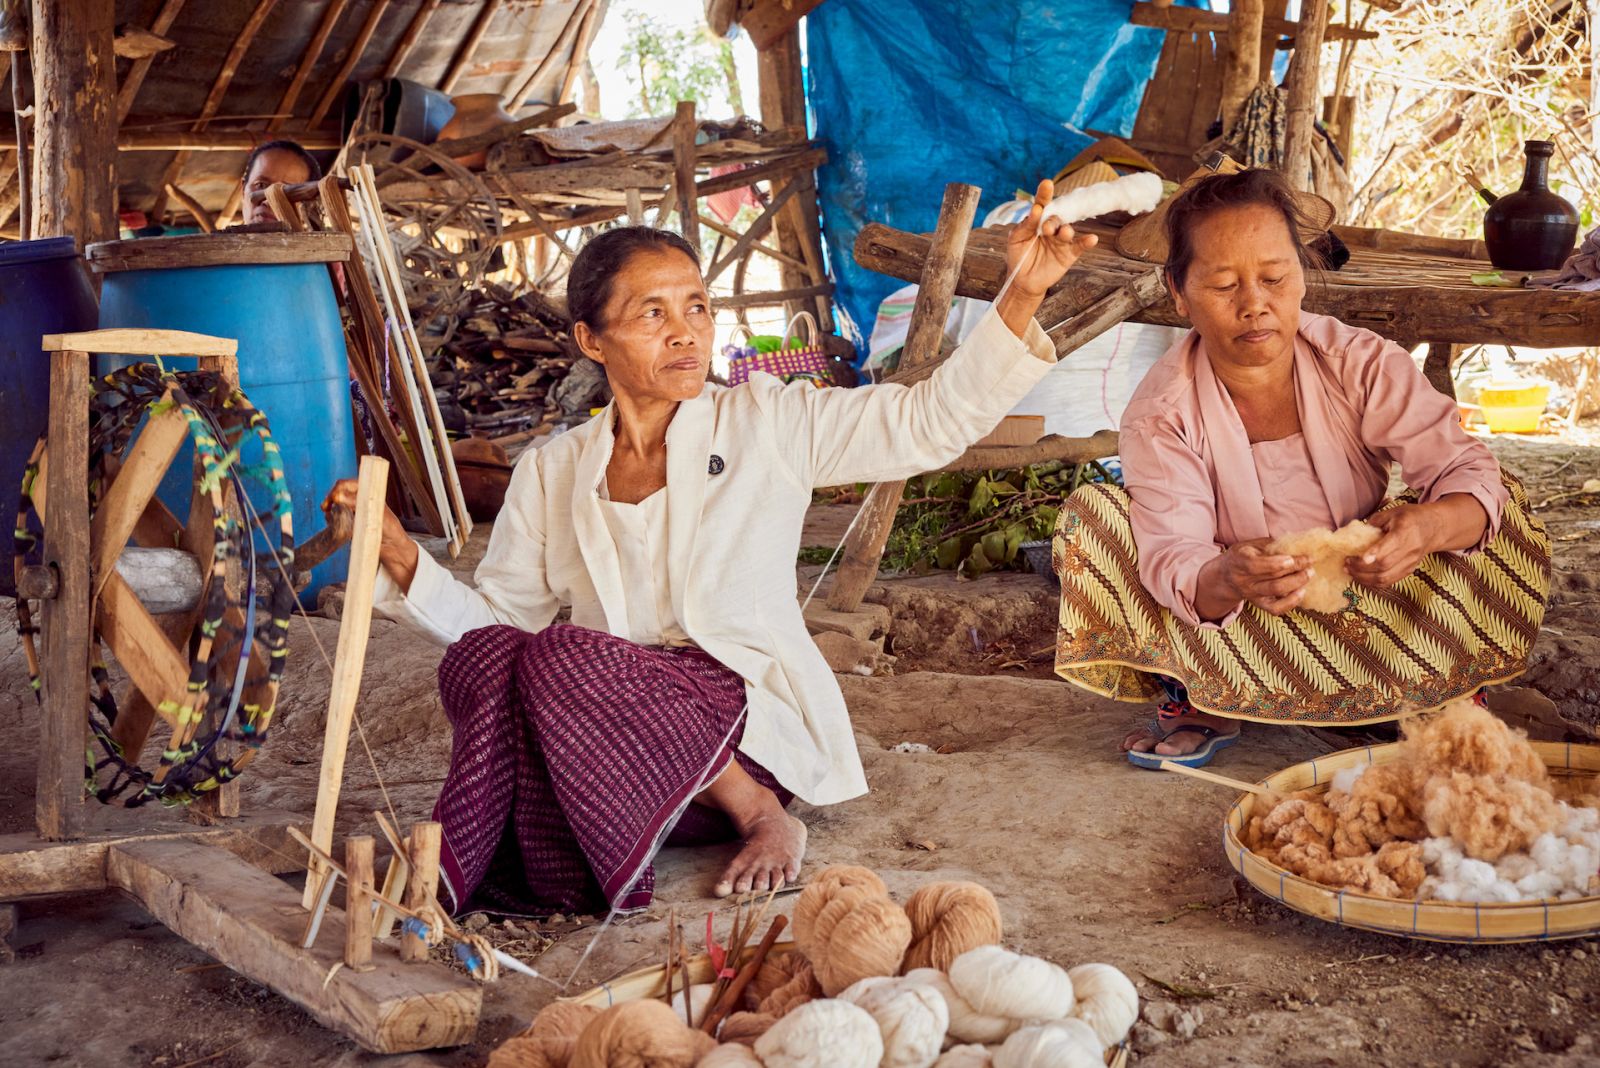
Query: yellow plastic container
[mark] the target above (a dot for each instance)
(1513, 407)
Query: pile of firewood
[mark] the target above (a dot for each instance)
(506, 366)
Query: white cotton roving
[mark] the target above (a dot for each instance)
(1107, 1001)
(998, 982)
(1344, 780)
(1132, 193)
(1058, 1044)
(1560, 864)
(826, 1033)
(967, 1024)
(912, 1017)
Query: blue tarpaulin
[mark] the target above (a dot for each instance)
(908, 95)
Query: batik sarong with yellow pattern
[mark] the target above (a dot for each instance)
(1460, 621)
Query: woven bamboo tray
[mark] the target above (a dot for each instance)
(652, 983)
(1435, 921)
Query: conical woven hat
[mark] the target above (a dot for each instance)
(1145, 238)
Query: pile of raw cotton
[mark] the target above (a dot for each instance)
(1468, 812)
(869, 984)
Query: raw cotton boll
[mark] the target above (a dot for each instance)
(1345, 778)
(912, 1018)
(699, 996)
(823, 888)
(1328, 550)
(563, 1019)
(726, 1056)
(1467, 738)
(1132, 193)
(1059, 1044)
(639, 1034)
(998, 982)
(1107, 1001)
(855, 935)
(1488, 815)
(964, 1057)
(966, 1023)
(745, 1027)
(947, 919)
(822, 1034)
(533, 1051)
(1518, 866)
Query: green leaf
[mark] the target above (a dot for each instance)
(977, 563)
(948, 554)
(982, 499)
(994, 546)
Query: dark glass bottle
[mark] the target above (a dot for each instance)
(1532, 229)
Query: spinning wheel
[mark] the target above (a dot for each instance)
(208, 668)
(444, 241)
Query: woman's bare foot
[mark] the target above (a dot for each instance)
(774, 841)
(1144, 740)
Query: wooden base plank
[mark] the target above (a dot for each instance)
(250, 921)
(32, 867)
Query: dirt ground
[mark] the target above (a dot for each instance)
(1025, 792)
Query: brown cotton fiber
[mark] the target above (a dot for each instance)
(1328, 550)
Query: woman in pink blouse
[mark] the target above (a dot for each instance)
(1267, 421)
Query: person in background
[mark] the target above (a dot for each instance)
(270, 163)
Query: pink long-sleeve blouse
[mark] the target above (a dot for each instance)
(1198, 485)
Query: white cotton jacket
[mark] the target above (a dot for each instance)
(741, 467)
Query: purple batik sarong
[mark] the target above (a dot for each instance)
(573, 751)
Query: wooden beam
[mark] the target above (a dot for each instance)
(201, 216)
(408, 41)
(768, 21)
(1242, 62)
(64, 724)
(220, 250)
(684, 128)
(351, 59)
(1050, 449)
(219, 91)
(760, 226)
(144, 341)
(1305, 96)
(33, 868)
(308, 60)
(523, 81)
(580, 51)
(780, 296)
(141, 67)
(1194, 20)
(469, 47)
(354, 626)
(247, 920)
(212, 140)
(863, 550)
(74, 92)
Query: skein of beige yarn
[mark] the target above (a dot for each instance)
(822, 1034)
(562, 1019)
(798, 990)
(947, 919)
(998, 982)
(911, 1017)
(823, 887)
(726, 1056)
(854, 934)
(745, 1027)
(964, 1057)
(775, 971)
(1058, 1044)
(639, 1034)
(966, 1023)
(1107, 1001)
(533, 1051)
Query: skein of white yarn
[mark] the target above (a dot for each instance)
(998, 982)
(911, 1017)
(731, 1055)
(827, 1033)
(965, 1057)
(1058, 1044)
(967, 1024)
(1107, 1001)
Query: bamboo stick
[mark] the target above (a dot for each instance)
(1215, 779)
(336, 86)
(1305, 95)
(402, 50)
(469, 47)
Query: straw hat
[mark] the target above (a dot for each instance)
(1145, 238)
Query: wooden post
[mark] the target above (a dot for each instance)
(423, 883)
(354, 626)
(1439, 365)
(74, 92)
(863, 550)
(136, 73)
(64, 728)
(798, 231)
(683, 131)
(1305, 94)
(1241, 69)
(358, 903)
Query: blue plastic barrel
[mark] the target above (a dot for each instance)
(44, 289)
(292, 361)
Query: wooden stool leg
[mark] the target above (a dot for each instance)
(358, 903)
(423, 885)
(64, 727)
(1440, 365)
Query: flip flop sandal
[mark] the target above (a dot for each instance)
(1215, 742)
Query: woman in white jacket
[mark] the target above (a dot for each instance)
(685, 682)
